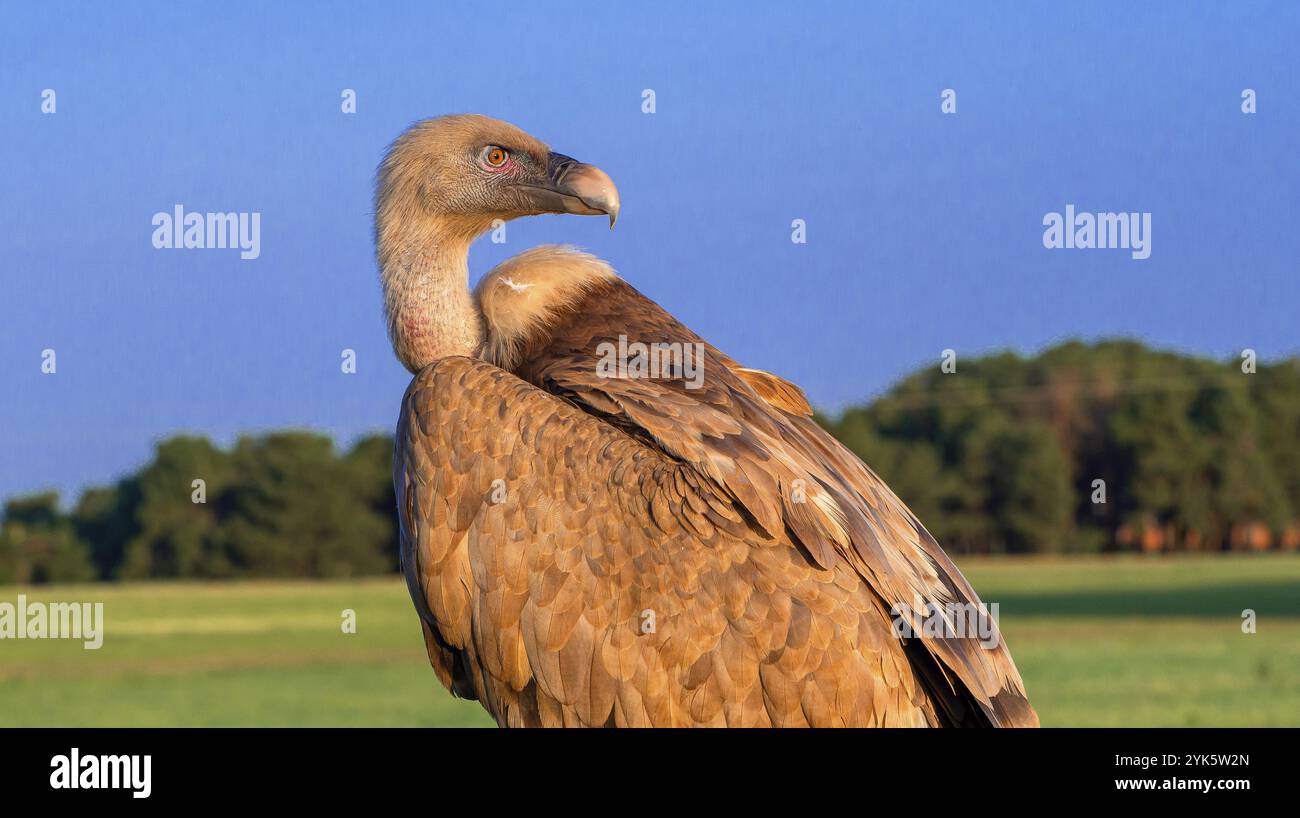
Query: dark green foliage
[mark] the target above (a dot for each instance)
(173, 535)
(298, 510)
(38, 544)
(1001, 456)
(105, 518)
(370, 462)
(279, 505)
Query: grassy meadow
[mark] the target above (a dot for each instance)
(1100, 642)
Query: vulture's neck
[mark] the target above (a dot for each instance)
(431, 312)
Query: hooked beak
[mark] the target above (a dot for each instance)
(572, 187)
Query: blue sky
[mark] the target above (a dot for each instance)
(924, 229)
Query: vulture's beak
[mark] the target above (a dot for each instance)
(572, 187)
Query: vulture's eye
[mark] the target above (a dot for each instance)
(495, 157)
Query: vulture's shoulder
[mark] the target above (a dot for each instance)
(525, 297)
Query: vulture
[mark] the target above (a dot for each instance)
(633, 546)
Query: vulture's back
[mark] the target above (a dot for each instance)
(588, 550)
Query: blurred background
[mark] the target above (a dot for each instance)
(1115, 460)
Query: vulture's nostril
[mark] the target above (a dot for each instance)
(559, 166)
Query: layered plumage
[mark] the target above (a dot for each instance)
(594, 549)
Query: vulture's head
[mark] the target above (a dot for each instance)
(462, 172)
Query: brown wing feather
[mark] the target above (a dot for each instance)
(786, 473)
(538, 601)
(777, 392)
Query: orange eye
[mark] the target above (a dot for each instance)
(495, 157)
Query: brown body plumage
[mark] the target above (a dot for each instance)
(594, 550)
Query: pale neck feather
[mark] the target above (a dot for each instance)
(431, 312)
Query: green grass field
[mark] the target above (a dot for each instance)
(1123, 642)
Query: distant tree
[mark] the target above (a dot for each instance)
(38, 544)
(106, 519)
(298, 510)
(1275, 392)
(39, 509)
(1031, 498)
(370, 466)
(173, 533)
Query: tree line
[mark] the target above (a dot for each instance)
(286, 504)
(1104, 447)
(1082, 448)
